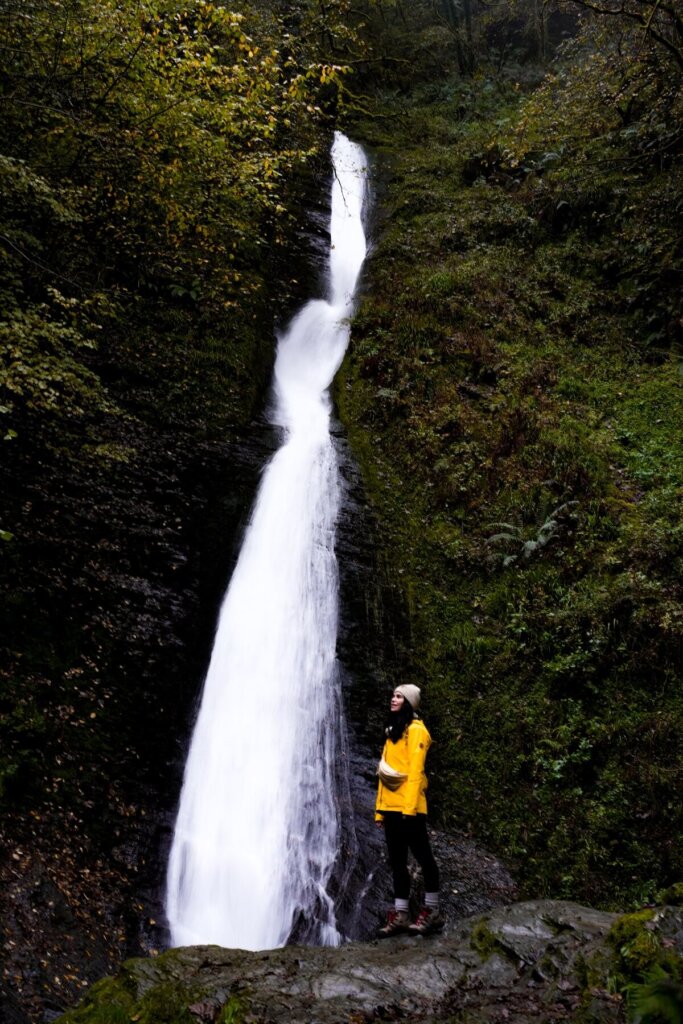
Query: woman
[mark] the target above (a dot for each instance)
(402, 808)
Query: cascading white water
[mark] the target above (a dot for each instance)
(257, 831)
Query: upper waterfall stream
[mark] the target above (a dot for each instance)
(257, 831)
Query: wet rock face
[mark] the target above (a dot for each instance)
(522, 962)
(135, 572)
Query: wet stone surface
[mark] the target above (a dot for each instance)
(523, 962)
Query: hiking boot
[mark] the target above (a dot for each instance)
(427, 922)
(397, 924)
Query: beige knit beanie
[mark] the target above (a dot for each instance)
(411, 694)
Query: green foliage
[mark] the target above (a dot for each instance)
(635, 941)
(166, 1001)
(147, 154)
(514, 536)
(502, 370)
(648, 970)
(107, 1002)
(41, 368)
(174, 123)
(658, 998)
(672, 896)
(233, 1012)
(110, 1002)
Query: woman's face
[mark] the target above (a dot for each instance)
(397, 700)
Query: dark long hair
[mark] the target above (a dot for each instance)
(398, 721)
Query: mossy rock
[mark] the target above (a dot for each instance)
(647, 941)
(156, 991)
(673, 896)
(540, 959)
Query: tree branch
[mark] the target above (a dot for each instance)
(622, 12)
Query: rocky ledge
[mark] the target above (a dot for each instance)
(534, 961)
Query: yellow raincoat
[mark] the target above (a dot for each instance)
(408, 757)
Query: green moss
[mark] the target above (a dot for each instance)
(485, 943)
(637, 945)
(641, 953)
(233, 1012)
(595, 971)
(646, 967)
(107, 1002)
(154, 991)
(629, 927)
(495, 376)
(673, 896)
(167, 1001)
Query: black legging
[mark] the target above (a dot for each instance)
(403, 834)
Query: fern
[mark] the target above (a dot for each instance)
(513, 536)
(658, 999)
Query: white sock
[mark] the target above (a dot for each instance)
(432, 900)
(403, 905)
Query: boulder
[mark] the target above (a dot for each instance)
(538, 960)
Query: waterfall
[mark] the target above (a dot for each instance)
(257, 831)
